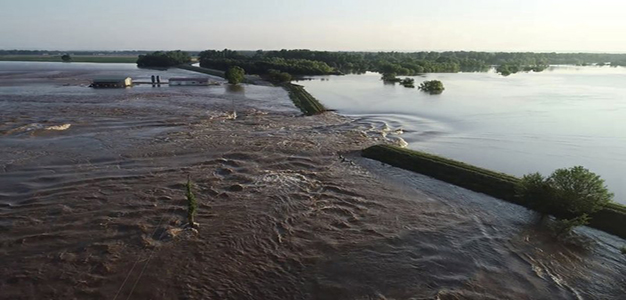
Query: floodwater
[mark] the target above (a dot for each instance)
(527, 122)
(92, 204)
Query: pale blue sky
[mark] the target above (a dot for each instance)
(405, 25)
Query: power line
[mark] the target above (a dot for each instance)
(138, 259)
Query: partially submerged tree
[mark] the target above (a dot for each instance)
(390, 77)
(408, 82)
(192, 204)
(571, 195)
(235, 75)
(432, 86)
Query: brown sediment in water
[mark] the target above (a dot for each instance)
(287, 208)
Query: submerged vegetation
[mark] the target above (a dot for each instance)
(161, 59)
(580, 195)
(408, 82)
(390, 78)
(432, 87)
(512, 68)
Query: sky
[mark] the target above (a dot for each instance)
(344, 25)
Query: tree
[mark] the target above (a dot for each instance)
(235, 75)
(432, 86)
(577, 191)
(571, 195)
(66, 58)
(192, 204)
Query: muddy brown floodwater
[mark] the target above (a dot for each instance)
(92, 204)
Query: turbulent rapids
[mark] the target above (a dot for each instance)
(92, 204)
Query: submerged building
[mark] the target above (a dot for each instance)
(189, 81)
(112, 82)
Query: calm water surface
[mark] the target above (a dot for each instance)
(562, 117)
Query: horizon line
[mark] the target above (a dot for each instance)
(371, 51)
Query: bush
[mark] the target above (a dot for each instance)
(66, 58)
(432, 86)
(563, 227)
(571, 195)
(235, 75)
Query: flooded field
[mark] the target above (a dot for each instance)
(92, 204)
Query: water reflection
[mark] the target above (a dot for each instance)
(235, 89)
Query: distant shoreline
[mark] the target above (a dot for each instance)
(75, 58)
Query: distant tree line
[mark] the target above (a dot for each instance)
(260, 64)
(160, 59)
(307, 62)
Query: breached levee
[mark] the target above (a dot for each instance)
(611, 219)
(303, 100)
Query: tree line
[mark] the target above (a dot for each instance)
(160, 59)
(308, 62)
